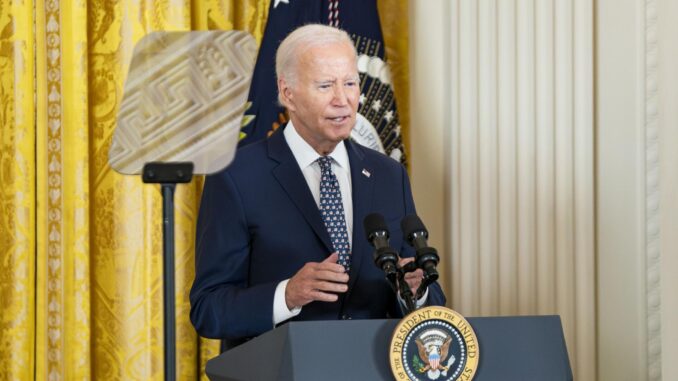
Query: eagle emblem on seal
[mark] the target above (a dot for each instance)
(433, 346)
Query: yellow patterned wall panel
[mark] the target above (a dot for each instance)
(17, 193)
(75, 188)
(62, 319)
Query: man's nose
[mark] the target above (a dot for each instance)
(340, 96)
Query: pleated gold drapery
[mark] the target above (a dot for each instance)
(80, 245)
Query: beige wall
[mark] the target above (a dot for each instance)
(429, 125)
(620, 199)
(461, 83)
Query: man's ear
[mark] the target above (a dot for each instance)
(285, 95)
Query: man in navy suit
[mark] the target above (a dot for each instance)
(263, 252)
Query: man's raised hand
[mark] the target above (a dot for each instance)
(316, 281)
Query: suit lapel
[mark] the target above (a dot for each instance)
(362, 184)
(293, 182)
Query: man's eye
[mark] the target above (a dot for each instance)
(351, 83)
(324, 87)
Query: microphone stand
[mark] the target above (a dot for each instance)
(405, 292)
(430, 276)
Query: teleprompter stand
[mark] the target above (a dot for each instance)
(181, 114)
(168, 175)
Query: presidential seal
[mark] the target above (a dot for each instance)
(434, 343)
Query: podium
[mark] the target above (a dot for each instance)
(511, 348)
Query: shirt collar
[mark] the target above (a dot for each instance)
(306, 155)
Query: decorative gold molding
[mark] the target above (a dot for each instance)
(55, 285)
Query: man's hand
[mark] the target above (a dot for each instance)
(414, 278)
(316, 281)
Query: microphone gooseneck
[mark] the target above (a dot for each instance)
(385, 257)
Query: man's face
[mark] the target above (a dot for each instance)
(323, 100)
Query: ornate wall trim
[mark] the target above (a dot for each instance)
(652, 192)
(54, 229)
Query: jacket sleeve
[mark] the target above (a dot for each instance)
(223, 304)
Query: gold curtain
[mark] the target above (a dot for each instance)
(80, 245)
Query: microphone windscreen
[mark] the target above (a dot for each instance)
(373, 223)
(411, 224)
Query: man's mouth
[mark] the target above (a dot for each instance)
(339, 119)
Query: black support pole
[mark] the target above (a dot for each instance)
(168, 279)
(168, 175)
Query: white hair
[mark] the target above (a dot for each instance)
(300, 40)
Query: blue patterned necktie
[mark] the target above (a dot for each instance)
(332, 209)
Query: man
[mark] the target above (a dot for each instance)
(263, 252)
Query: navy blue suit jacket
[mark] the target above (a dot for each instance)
(259, 224)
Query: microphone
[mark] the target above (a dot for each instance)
(385, 257)
(426, 257)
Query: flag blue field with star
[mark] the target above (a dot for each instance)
(377, 125)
